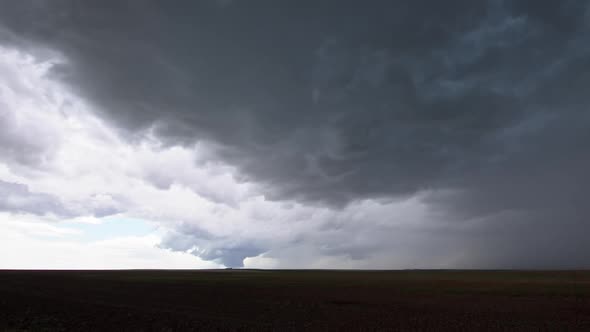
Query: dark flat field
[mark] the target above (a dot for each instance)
(259, 300)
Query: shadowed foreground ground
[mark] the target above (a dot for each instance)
(294, 300)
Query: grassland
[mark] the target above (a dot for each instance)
(259, 300)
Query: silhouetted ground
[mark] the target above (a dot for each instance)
(258, 300)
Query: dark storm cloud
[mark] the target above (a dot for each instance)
(482, 103)
(227, 251)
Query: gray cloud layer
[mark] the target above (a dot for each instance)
(17, 198)
(481, 104)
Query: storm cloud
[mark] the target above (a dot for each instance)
(479, 108)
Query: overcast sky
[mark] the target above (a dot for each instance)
(294, 134)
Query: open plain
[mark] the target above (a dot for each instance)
(290, 300)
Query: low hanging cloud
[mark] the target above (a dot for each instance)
(476, 109)
(17, 198)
